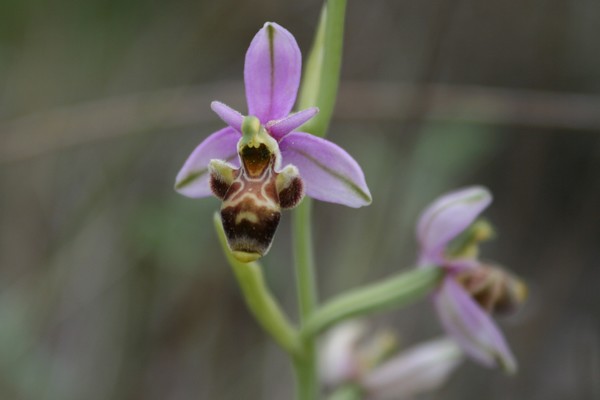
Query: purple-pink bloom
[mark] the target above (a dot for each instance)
(259, 164)
(462, 317)
(272, 76)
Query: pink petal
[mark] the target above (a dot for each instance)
(230, 116)
(282, 127)
(272, 73)
(193, 178)
(420, 369)
(329, 172)
(471, 327)
(339, 360)
(448, 216)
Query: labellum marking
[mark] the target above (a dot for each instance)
(254, 194)
(251, 207)
(496, 290)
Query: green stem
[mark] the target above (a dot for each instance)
(305, 366)
(306, 378)
(319, 88)
(304, 259)
(347, 392)
(392, 292)
(259, 299)
(322, 70)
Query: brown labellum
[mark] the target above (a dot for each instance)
(494, 289)
(253, 199)
(290, 196)
(218, 186)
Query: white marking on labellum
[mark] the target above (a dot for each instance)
(249, 216)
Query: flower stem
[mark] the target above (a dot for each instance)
(322, 70)
(392, 292)
(346, 392)
(305, 366)
(319, 88)
(259, 299)
(304, 259)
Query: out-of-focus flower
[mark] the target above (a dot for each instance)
(339, 359)
(419, 369)
(350, 356)
(259, 164)
(449, 237)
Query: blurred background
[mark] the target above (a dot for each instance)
(112, 286)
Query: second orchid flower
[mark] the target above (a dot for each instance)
(449, 235)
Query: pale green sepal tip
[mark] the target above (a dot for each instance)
(508, 368)
(245, 257)
(189, 178)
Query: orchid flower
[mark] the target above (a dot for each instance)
(259, 164)
(462, 317)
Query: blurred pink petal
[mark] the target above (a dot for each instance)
(446, 218)
(338, 359)
(472, 328)
(419, 369)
